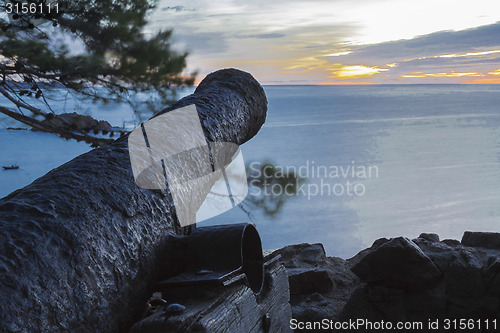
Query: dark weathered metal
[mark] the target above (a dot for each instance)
(229, 309)
(79, 246)
(212, 254)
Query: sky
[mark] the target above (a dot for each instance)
(339, 41)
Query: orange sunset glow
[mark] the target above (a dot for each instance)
(340, 42)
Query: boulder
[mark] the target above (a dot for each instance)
(469, 286)
(492, 276)
(307, 281)
(402, 280)
(77, 122)
(441, 254)
(319, 285)
(451, 242)
(429, 237)
(398, 263)
(314, 307)
(303, 255)
(488, 240)
(463, 276)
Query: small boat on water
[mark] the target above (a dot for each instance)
(12, 167)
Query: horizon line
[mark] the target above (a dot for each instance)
(378, 84)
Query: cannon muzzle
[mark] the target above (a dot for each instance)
(211, 255)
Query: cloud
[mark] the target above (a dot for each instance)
(264, 35)
(438, 43)
(443, 74)
(202, 43)
(175, 8)
(317, 41)
(450, 55)
(469, 63)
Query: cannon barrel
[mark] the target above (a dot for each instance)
(80, 246)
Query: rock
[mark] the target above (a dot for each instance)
(398, 263)
(312, 254)
(320, 285)
(303, 255)
(103, 126)
(473, 307)
(492, 276)
(376, 244)
(451, 242)
(79, 122)
(440, 253)
(403, 281)
(379, 242)
(307, 281)
(488, 240)
(361, 306)
(469, 286)
(429, 237)
(389, 300)
(464, 276)
(431, 303)
(315, 307)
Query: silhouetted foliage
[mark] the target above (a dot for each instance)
(96, 48)
(270, 187)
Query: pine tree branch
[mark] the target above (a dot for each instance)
(33, 123)
(40, 126)
(21, 104)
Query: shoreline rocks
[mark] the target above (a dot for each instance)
(398, 263)
(320, 286)
(397, 280)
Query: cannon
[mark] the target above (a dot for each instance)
(80, 247)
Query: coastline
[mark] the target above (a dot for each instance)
(397, 280)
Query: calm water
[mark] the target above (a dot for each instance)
(436, 149)
(426, 158)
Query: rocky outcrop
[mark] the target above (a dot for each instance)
(397, 263)
(399, 280)
(77, 122)
(319, 285)
(454, 280)
(488, 240)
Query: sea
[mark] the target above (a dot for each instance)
(376, 161)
